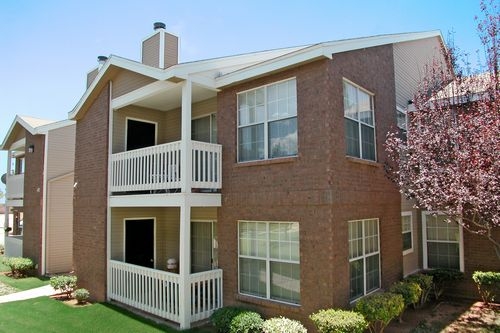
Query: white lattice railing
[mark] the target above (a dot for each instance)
(158, 168)
(15, 187)
(157, 292)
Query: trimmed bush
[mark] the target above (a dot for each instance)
(283, 325)
(221, 318)
(64, 283)
(246, 322)
(425, 283)
(441, 277)
(81, 295)
(487, 284)
(380, 309)
(410, 291)
(19, 267)
(339, 321)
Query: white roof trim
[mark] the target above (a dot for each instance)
(141, 93)
(317, 51)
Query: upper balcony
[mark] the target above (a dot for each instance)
(157, 169)
(15, 187)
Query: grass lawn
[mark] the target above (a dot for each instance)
(49, 315)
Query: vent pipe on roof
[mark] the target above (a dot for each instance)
(159, 25)
(101, 60)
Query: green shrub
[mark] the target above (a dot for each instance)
(246, 322)
(19, 267)
(221, 318)
(282, 325)
(441, 277)
(379, 309)
(425, 283)
(81, 295)
(64, 283)
(338, 321)
(487, 284)
(410, 291)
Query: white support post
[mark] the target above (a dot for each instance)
(185, 266)
(186, 168)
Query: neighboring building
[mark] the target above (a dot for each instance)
(261, 174)
(429, 242)
(39, 192)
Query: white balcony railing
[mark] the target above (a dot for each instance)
(157, 292)
(15, 187)
(158, 168)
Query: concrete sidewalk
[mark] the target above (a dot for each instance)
(27, 294)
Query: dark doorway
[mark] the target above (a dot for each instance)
(139, 242)
(140, 134)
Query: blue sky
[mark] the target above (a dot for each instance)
(47, 47)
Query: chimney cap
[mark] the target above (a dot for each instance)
(102, 59)
(159, 25)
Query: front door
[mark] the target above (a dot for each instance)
(140, 134)
(139, 242)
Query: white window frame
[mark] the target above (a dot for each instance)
(400, 110)
(364, 256)
(424, 241)
(410, 250)
(140, 120)
(374, 126)
(265, 122)
(268, 260)
(125, 235)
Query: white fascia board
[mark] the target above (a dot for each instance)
(303, 55)
(119, 62)
(141, 93)
(58, 124)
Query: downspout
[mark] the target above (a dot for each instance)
(44, 206)
(108, 192)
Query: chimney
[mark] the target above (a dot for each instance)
(161, 49)
(93, 73)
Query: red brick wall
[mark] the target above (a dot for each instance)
(479, 255)
(90, 197)
(33, 199)
(320, 188)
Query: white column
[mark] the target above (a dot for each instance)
(185, 266)
(186, 157)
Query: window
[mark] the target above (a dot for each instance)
(407, 226)
(442, 241)
(204, 248)
(267, 122)
(359, 122)
(204, 129)
(364, 257)
(402, 122)
(269, 265)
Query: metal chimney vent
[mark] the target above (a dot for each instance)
(159, 25)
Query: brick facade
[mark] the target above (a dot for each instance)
(321, 188)
(90, 197)
(33, 199)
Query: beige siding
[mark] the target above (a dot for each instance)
(167, 232)
(151, 51)
(91, 76)
(21, 134)
(59, 240)
(169, 122)
(409, 58)
(171, 52)
(204, 213)
(126, 82)
(61, 151)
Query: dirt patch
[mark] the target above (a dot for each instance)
(450, 316)
(63, 297)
